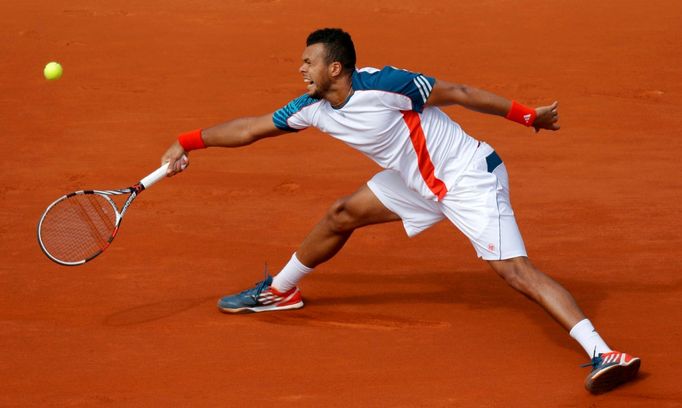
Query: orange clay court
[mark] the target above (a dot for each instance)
(391, 321)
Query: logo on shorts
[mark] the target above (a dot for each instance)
(491, 247)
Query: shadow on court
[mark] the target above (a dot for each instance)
(153, 311)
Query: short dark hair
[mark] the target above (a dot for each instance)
(338, 44)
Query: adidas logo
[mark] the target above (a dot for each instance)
(267, 298)
(526, 117)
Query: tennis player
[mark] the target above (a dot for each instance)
(433, 171)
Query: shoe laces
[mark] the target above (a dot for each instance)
(596, 360)
(260, 286)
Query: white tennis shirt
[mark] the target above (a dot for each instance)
(385, 118)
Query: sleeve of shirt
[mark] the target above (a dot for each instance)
(291, 117)
(414, 85)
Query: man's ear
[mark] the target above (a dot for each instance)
(335, 69)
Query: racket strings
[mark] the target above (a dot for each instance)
(106, 218)
(78, 227)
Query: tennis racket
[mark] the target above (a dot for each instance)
(81, 225)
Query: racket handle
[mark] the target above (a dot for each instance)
(160, 173)
(154, 176)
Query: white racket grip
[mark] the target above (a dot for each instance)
(160, 173)
(154, 176)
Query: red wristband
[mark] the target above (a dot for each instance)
(191, 140)
(521, 114)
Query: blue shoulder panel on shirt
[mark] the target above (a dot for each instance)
(281, 116)
(415, 86)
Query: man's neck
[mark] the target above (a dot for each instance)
(340, 92)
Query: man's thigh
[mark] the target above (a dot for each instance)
(416, 212)
(480, 207)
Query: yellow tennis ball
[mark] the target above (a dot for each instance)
(53, 71)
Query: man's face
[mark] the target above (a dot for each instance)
(315, 70)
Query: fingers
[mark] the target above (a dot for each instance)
(170, 171)
(555, 115)
(181, 164)
(549, 118)
(176, 158)
(555, 111)
(176, 166)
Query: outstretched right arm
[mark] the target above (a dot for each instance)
(233, 133)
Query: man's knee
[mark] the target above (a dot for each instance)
(357, 210)
(339, 219)
(519, 273)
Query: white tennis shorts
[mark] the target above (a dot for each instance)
(478, 204)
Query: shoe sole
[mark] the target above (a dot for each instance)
(258, 309)
(611, 377)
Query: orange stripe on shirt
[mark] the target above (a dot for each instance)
(414, 123)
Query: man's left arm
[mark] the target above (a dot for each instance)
(479, 100)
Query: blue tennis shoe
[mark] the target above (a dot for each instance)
(609, 370)
(261, 298)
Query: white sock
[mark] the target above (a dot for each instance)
(289, 276)
(585, 334)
